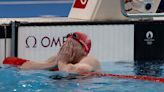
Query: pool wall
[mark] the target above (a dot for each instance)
(111, 40)
(5, 41)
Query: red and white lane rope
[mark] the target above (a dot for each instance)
(147, 78)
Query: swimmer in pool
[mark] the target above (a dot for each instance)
(72, 57)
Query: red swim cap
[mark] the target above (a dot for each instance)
(83, 39)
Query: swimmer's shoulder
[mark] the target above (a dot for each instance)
(90, 59)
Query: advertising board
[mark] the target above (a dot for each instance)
(109, 42)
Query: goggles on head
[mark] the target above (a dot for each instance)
(77, 38)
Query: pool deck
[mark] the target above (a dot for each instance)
(38, 19)
(49, 19)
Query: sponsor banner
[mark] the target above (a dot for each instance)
(149, 41)
(109, 42)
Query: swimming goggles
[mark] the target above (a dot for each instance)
(77, 38)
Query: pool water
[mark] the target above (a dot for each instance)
(13, 79)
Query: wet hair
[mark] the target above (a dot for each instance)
(71, 52)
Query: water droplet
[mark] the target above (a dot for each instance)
(15, 90)
(23, 85)
(78, 84)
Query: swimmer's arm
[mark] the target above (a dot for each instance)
(48, 64)
(80, 68)
(76, 68)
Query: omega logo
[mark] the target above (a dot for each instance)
(44, 42)
(31, 42)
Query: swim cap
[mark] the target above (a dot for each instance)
(83, 39)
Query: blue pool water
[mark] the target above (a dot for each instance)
(14, 80)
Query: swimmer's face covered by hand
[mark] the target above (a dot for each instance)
(75, 48)
(82, 39)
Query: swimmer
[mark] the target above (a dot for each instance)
(72, 57)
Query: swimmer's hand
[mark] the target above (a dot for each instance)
(66, 67)
(74, 68)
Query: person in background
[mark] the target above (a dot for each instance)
(72, 57)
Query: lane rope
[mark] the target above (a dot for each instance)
(139, 77)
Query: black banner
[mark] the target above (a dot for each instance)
(149, 41)
(5, 31)
(2, 32)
